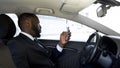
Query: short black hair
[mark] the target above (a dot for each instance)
(23, 17)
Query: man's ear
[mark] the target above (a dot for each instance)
(28, 23)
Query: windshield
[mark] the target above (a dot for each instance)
(111, 20)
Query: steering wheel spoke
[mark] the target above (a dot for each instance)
(89, 51)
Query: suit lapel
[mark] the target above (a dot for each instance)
(32, 44)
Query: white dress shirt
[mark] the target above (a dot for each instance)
(32, 38)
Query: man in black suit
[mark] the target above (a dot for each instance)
(28, 53)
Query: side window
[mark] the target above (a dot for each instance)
(53, 26)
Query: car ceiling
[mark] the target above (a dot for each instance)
(60, 8)
(49, 7)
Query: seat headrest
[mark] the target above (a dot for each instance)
(7, 27)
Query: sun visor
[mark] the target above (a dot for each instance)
(74, 6)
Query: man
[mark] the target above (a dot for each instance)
(28, 53)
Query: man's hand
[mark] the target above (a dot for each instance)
(64, 38)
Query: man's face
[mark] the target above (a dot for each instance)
(36, 28)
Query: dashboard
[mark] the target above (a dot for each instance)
(109, 48)
(116, 45)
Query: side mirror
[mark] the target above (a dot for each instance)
(101, 11)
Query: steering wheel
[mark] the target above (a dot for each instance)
(90, 49)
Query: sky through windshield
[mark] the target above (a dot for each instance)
(111, 20)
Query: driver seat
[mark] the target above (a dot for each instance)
(7, 30)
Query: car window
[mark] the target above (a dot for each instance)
(53, 26)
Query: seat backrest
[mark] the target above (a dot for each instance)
(7, 31)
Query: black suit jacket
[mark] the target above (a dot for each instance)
(28, 54)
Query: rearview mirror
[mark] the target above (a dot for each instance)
(101, 11)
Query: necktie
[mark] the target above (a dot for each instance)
(42, 46)
(39, 43)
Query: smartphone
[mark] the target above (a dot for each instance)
(68, 30)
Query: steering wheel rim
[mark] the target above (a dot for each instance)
(89, 51)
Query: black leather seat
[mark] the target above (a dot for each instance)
(7, 30)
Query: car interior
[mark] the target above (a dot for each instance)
(98, 51)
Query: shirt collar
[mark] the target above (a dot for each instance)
(28, 35)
